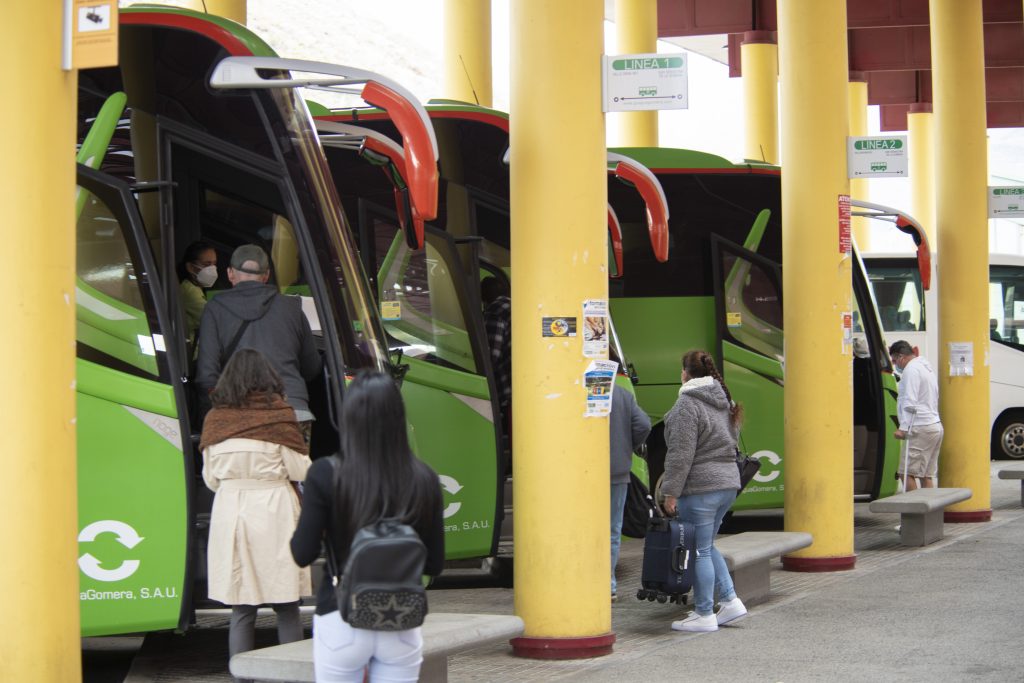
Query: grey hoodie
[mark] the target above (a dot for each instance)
(278, 330)
(701, 441)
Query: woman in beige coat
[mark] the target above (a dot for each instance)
(252, 452)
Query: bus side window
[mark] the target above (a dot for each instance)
(111, 319)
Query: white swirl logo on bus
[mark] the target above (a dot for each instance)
(771, 457)
(450, 485)
(126, 536)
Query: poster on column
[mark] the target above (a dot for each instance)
(961, 359)
(595, 328)
(599, 381)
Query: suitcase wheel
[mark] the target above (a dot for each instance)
(662, 598)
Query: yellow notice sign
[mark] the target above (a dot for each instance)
(94, 33)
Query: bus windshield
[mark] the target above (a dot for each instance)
(896, 284)
(1006, 304)
(340, 264)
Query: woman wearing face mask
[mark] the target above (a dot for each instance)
(197, 271)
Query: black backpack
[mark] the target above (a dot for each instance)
(381, 587)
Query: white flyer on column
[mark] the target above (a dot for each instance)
(595, 328)
(599, 381)
(961, 359)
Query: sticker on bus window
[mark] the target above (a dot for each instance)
(733, 319)
(391, 310)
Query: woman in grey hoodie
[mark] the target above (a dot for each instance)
(701, 481)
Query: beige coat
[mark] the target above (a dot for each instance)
(255, 511)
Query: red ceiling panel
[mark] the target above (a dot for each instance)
(893, 117)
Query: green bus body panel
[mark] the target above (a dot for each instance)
(128, 474)
(655, 333)
(118, 387)
(664, 157)
(762, 433)
(754, 361)
(890, 485)
(458, 442)
(252, 42)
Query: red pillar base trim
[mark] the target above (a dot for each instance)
(563, 648)
(819, 564)
(956, 517)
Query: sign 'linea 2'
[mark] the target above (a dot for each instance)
(877, 156)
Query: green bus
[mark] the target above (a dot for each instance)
(719, 287)
(201, 132)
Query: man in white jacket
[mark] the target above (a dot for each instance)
(918, 411)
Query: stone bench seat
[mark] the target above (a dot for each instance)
(748, 556)
(921, 512)
(443, 635)
(1015, 471)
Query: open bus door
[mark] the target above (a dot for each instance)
(134, 526)
(748, 305)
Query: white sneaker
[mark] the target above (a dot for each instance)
(696, 623)
(730, 611)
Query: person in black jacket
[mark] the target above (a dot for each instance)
(378, 477)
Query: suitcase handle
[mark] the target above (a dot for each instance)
(680, 554)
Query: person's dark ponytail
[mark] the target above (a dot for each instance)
(699, 363)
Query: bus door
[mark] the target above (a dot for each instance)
(748, 311)
(134, 464)
(433, 318)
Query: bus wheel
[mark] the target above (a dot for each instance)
(1008, 436)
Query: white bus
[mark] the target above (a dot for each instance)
(908, 310)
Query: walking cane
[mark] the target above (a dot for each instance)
(906, 447)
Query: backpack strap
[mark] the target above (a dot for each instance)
(332, 560)
(229, 350)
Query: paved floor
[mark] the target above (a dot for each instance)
(947, 612)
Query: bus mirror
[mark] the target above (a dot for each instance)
(615, 242)
(647, 184)
(924, 254)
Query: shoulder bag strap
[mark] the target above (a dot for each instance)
(229, 350)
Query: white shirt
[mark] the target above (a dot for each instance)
(918, 389)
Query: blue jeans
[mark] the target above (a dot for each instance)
(705, 511)
(618, 504)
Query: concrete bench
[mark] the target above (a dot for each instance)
(443, 635)
(921, 512)
(748, 556)
(1014, 472)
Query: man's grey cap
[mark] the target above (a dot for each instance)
(254, 255)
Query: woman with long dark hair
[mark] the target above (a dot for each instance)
(252, 449)
(378, 477)
(701, 481)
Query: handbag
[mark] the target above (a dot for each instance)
(748, 467)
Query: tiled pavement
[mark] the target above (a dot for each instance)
(641, 627)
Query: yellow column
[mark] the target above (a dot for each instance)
(813, 73)
(858, 87)
(961, 221)
(759, 55)
(921, 139)
(235, 10)
(40, 636)
(636, 32)
(467, 51)
(559, 259)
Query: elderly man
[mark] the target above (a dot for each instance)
(254, 315)
(918, 410)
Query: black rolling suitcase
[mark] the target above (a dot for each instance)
(669, 556)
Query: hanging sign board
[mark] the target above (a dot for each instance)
(1006, 201)
(644, 82)
(90, 34)
(879, 156)
(845, 241)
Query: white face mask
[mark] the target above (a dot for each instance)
(207, 276)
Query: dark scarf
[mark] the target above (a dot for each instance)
(263, 417)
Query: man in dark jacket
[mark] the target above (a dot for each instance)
(627, 430)
(254, 315)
